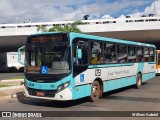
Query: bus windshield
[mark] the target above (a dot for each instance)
(56, 58)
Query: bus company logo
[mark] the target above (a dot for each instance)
(98, 72)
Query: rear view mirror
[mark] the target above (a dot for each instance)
(20, 50)
(79, 53)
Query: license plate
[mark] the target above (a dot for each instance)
(40, 93)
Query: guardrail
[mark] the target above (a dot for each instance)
(98, 21)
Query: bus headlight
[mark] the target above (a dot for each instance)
(63, 86)
(66, 84)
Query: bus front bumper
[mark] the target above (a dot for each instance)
(63, 95)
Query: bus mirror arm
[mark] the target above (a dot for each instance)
(19, 55)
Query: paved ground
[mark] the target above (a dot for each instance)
(129, 99)
(5, 76)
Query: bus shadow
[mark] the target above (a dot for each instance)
(65, 104)
(111, 96)
(49, 103)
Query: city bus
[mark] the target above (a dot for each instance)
(68, 66)
(157, 61)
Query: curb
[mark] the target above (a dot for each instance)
(11, 87)
(10, 90)
(17, 80)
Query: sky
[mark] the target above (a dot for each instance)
(20, 11)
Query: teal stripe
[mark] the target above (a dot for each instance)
(152, 62)
(147, 76)
(110, 65)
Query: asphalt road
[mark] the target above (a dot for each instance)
(5, 76)
(147, 98)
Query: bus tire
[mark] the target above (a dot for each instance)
(139, 81)
(95, 91)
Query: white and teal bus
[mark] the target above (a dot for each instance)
(69, 66)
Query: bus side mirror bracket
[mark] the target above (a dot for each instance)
(20, 50)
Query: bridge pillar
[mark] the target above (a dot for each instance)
(3, 61)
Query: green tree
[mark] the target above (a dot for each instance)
(42, 28)
(70, 27)
(56, 28)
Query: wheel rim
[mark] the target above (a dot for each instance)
(139, 81)
(95, 91)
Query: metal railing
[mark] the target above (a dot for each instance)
(84, 22)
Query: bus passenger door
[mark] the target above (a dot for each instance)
(80, 65)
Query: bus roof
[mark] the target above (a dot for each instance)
(98, 38)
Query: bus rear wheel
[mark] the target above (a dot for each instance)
(139, 81)
(95, 92)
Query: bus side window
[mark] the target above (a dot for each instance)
(131, 54)
(122, 53)
(140, 54)
(84, 59)
(84, 55)
(146, 54)
(83, 45)
(110, 53)
(151, 54)
(96, 53)
(158, 58)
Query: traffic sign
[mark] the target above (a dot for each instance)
(44, 69)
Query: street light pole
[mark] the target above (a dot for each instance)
(75, 10)
(155, 7)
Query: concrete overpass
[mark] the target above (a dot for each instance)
(144, 29)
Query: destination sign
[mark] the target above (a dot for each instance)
(49, 38)
(33, 68)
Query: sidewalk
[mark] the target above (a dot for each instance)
(14, 86)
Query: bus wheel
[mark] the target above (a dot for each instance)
(95, 91)
(139, 81)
